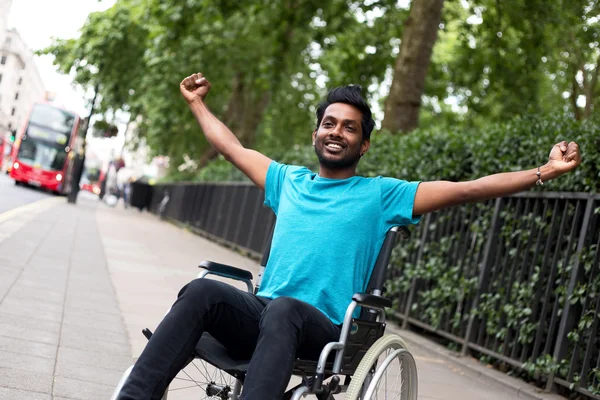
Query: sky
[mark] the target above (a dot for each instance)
(38, 21)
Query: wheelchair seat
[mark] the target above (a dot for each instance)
(213, 352)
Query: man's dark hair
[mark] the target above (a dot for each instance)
(351, 94)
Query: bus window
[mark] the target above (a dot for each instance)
(45, 115)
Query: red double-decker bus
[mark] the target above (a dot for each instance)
(42, 154)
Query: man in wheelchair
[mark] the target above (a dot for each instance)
(329, 229)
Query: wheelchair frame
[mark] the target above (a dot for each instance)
(372, 314)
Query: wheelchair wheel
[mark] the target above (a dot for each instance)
(387, 371)
(204, 381)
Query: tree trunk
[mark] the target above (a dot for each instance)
(420, 33)
(573, 98)
(575, 92)
(591, 90)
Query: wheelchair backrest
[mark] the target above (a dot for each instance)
(383, 259)
(375, 285)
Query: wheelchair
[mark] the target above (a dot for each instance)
(372, 364)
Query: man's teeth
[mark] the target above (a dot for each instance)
(335, 146)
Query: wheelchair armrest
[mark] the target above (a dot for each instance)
(371, 301)
(226, 270)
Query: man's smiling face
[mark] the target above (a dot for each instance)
(339, 139)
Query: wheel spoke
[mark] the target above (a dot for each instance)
(183, 388)
(185, 380)
(391, 388)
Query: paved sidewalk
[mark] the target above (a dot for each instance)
(61, 331)
(80, 282)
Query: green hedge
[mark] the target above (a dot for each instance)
(462, 153)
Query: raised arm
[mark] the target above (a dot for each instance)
(194, 89)
(433, 196)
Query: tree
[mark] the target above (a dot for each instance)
(575, 62)
(516, 57)
(270, 62)
(420, 32)
(105, 129)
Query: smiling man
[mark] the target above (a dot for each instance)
(330, 227)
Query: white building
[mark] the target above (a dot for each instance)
(4, 9)
(20, 81)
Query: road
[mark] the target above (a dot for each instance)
(12, 196)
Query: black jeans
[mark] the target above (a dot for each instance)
(271, 333)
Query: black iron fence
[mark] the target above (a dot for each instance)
(233, 213)
(514, 280)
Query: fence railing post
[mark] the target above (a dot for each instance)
(413, 284)
(255, 211)
(229, 213)
(570, 311)
(180, 193)
(485, 272)
(238, 222)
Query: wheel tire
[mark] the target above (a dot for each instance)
(388, 348)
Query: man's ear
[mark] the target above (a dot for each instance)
(365, 146)
(314, 137)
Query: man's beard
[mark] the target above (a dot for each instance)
(349, 160)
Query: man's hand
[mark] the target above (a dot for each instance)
(194, 87)
(564, 157)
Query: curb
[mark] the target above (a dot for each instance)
(513, 386)
(31, 209)
(13, 220)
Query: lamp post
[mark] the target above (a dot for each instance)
(79, 162)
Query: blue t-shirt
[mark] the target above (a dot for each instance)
(328, 233)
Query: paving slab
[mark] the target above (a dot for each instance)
(13, 394)
(80, 390)
(30, 381)
(25, 362)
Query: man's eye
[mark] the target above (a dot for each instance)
(327, 124)
(350, 128)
